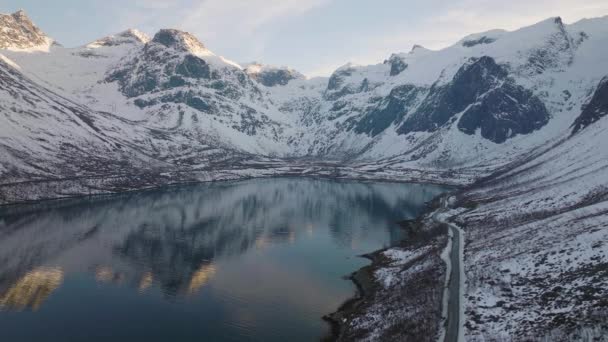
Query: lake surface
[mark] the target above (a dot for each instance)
(258, 260)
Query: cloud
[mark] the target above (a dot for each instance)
(238, 29)
(247, 30)
(155, 4)
(481, 15)
(457, 19)
(240, 19)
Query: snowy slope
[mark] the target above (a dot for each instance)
(461, 112)
(536, 251)
(43, 133)
(47, 136)
(367, 113)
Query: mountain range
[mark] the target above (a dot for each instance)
(169, 104)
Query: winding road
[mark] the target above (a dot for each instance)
(454, 320)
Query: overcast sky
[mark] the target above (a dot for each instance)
(313, 36)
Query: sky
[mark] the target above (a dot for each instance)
(312, 36)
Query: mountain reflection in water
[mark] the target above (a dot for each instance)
(250, 242)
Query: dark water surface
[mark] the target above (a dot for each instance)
(259, 260)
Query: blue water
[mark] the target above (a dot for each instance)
(258, 260)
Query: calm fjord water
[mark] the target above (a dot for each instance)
(259, 260)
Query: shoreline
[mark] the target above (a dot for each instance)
(364, 280)
(84, 190)
(174, 185)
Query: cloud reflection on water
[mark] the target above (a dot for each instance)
(174, 239)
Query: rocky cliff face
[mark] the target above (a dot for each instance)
(487, 99)
(174, 72)
(596, 109)
(271, 76)
(19, 33)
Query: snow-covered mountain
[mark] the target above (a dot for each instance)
(45, 135)
(128, 37)
(271, 76)
(489, 92)
(466, 110)
(177, 82)
(19, 33)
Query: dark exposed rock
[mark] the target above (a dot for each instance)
(141, 103)
(175, 82)
(444, 101)
(172, 73)
(198, 104)
(582, 36)
(336, 87)
(397, 65)
(391, 110)
(178, 40)
(337, 78)
(493, 102)
(270, 76)
(595, 109)
(482, 40)
(165, 37)
(193, 67)
(189, 98)
(158, 67)
(364, 85)
(504, 113)
(278, 77)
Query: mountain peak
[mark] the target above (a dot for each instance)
(418, 48)
(127, 37)
(178, 40)
(135, 33)
(20, 15)
(548, 24)
(18, 32)
(271, 76)
(558, 20)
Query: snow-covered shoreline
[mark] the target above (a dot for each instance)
(53, 189)
(533, 247)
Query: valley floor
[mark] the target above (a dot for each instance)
(535, 257)
(139, 179)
